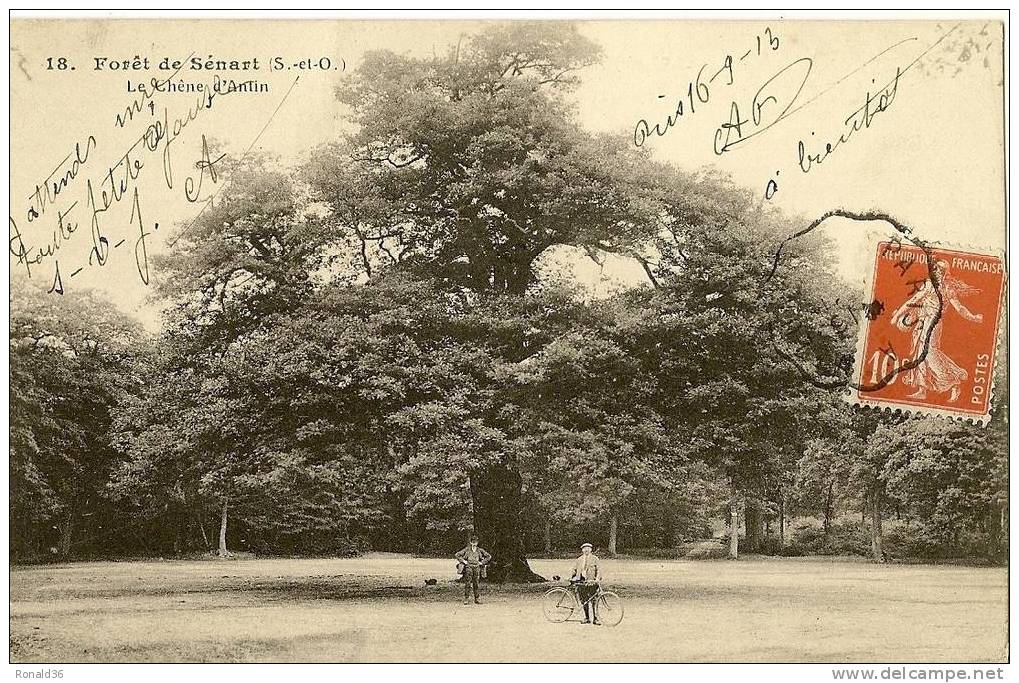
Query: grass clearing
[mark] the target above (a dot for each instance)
(377, 608)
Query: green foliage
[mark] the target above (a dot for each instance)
(73, 360)
(950, 479)
(844, 537)
(468, 166)
(919, 541)
(821, 479)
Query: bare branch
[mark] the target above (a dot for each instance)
(645, 264)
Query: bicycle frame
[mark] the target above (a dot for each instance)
(570, 593)
(575, 589)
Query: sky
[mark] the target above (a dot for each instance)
(928, 151)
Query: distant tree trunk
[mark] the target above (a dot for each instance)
(781, 521)
(201, 528)
(752, 519)
(1004, 521)
(548, 536)
(734, 526)
(669, 532)
(222, 530)
(829, 507)
(875, 527)
(993, 525)
(496, 499)
(66, 532)
(399, 537)
(613, 533)
(142, 541)
(180, 529)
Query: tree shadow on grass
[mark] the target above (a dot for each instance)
(345, 588)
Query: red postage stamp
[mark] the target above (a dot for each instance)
(929, 340)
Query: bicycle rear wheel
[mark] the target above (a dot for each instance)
(558, 605)
(610, 609)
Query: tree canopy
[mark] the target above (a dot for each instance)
(364, 352)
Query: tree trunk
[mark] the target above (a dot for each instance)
(734, 526)
(613, 533)
(829, 507)
(669, 532)
(752, 519)
(222, 530)
(1004, 521)
(398, 538)
(67, 532)
(781, 521)
(180, 529)
(993, 524)
(496, 496)
(548, 536)
(201, 528)
(875, 527)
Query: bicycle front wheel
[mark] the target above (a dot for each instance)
(610, 609)
(558, 605)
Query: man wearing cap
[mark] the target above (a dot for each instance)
(472, 559)
(586, 575)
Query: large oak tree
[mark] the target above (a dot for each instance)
(466, 168)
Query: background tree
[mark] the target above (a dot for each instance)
(233, 272)
(721, 326)
(74, 359)
(947, 478)
(822, 478)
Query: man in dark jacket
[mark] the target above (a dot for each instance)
(472, 559)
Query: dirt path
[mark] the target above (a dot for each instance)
(377, 608)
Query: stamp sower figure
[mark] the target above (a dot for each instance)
(473, 558)
(586, 575)
(937, 372)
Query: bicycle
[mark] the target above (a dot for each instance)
(560, 603)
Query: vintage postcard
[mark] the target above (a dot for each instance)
(524, 339)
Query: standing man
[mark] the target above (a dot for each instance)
(472, 558)
(586, 575)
